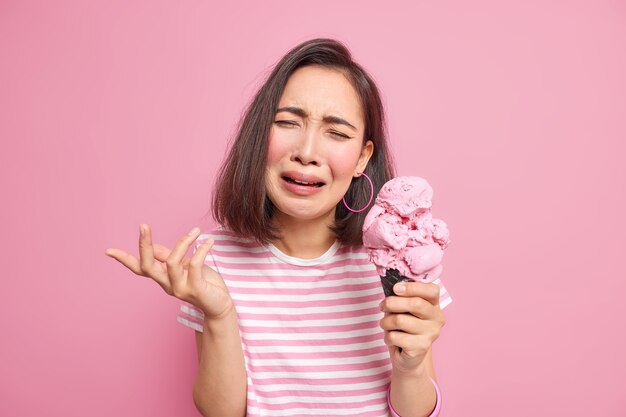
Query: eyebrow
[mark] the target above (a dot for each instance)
(327, 119)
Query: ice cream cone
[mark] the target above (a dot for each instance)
(391, 278)
(401, 236)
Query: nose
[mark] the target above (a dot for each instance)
(306, 151)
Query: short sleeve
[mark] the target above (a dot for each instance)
(444, 296)
(190, 315)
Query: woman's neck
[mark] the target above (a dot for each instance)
(305, 239)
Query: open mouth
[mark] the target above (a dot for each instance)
(304, 183)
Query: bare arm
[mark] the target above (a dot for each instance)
(220, 388)
(412, 322)
(412, 393)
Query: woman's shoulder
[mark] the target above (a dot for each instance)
(224, 236)
(218, 232)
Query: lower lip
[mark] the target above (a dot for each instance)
(303, 190)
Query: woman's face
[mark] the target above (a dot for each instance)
(315, 144)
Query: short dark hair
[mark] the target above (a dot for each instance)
(240, 201)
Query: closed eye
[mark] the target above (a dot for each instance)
(284, 122)
(332, 132)
(341, 135)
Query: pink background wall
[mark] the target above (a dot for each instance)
(114, 113)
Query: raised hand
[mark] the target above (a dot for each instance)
(187, 279)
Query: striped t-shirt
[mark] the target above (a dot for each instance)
(309, 327)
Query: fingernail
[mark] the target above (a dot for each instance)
(380, 306)
(399, 288)
(193, 231)
(141, 232)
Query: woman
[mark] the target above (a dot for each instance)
(287, 308)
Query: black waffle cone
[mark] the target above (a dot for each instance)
(391, 278)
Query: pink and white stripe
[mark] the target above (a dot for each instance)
(309, 328)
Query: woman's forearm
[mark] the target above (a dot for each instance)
(412, 394)
(220, 388)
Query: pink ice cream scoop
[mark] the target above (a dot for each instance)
(401, 236)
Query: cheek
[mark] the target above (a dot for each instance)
(276, 148)
(343, 161)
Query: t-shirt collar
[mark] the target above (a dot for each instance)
(304, 262)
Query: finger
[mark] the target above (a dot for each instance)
(407, 323)
(197, 261)
(133, 264)
(161, 253)
(426, 290)
(152, 267)
(174, 260)
(408, 342)
(417, 306)
(146, 251)
(126, 259)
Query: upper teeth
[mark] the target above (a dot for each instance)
(302, 182)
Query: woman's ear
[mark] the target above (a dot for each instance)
(366, 154)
